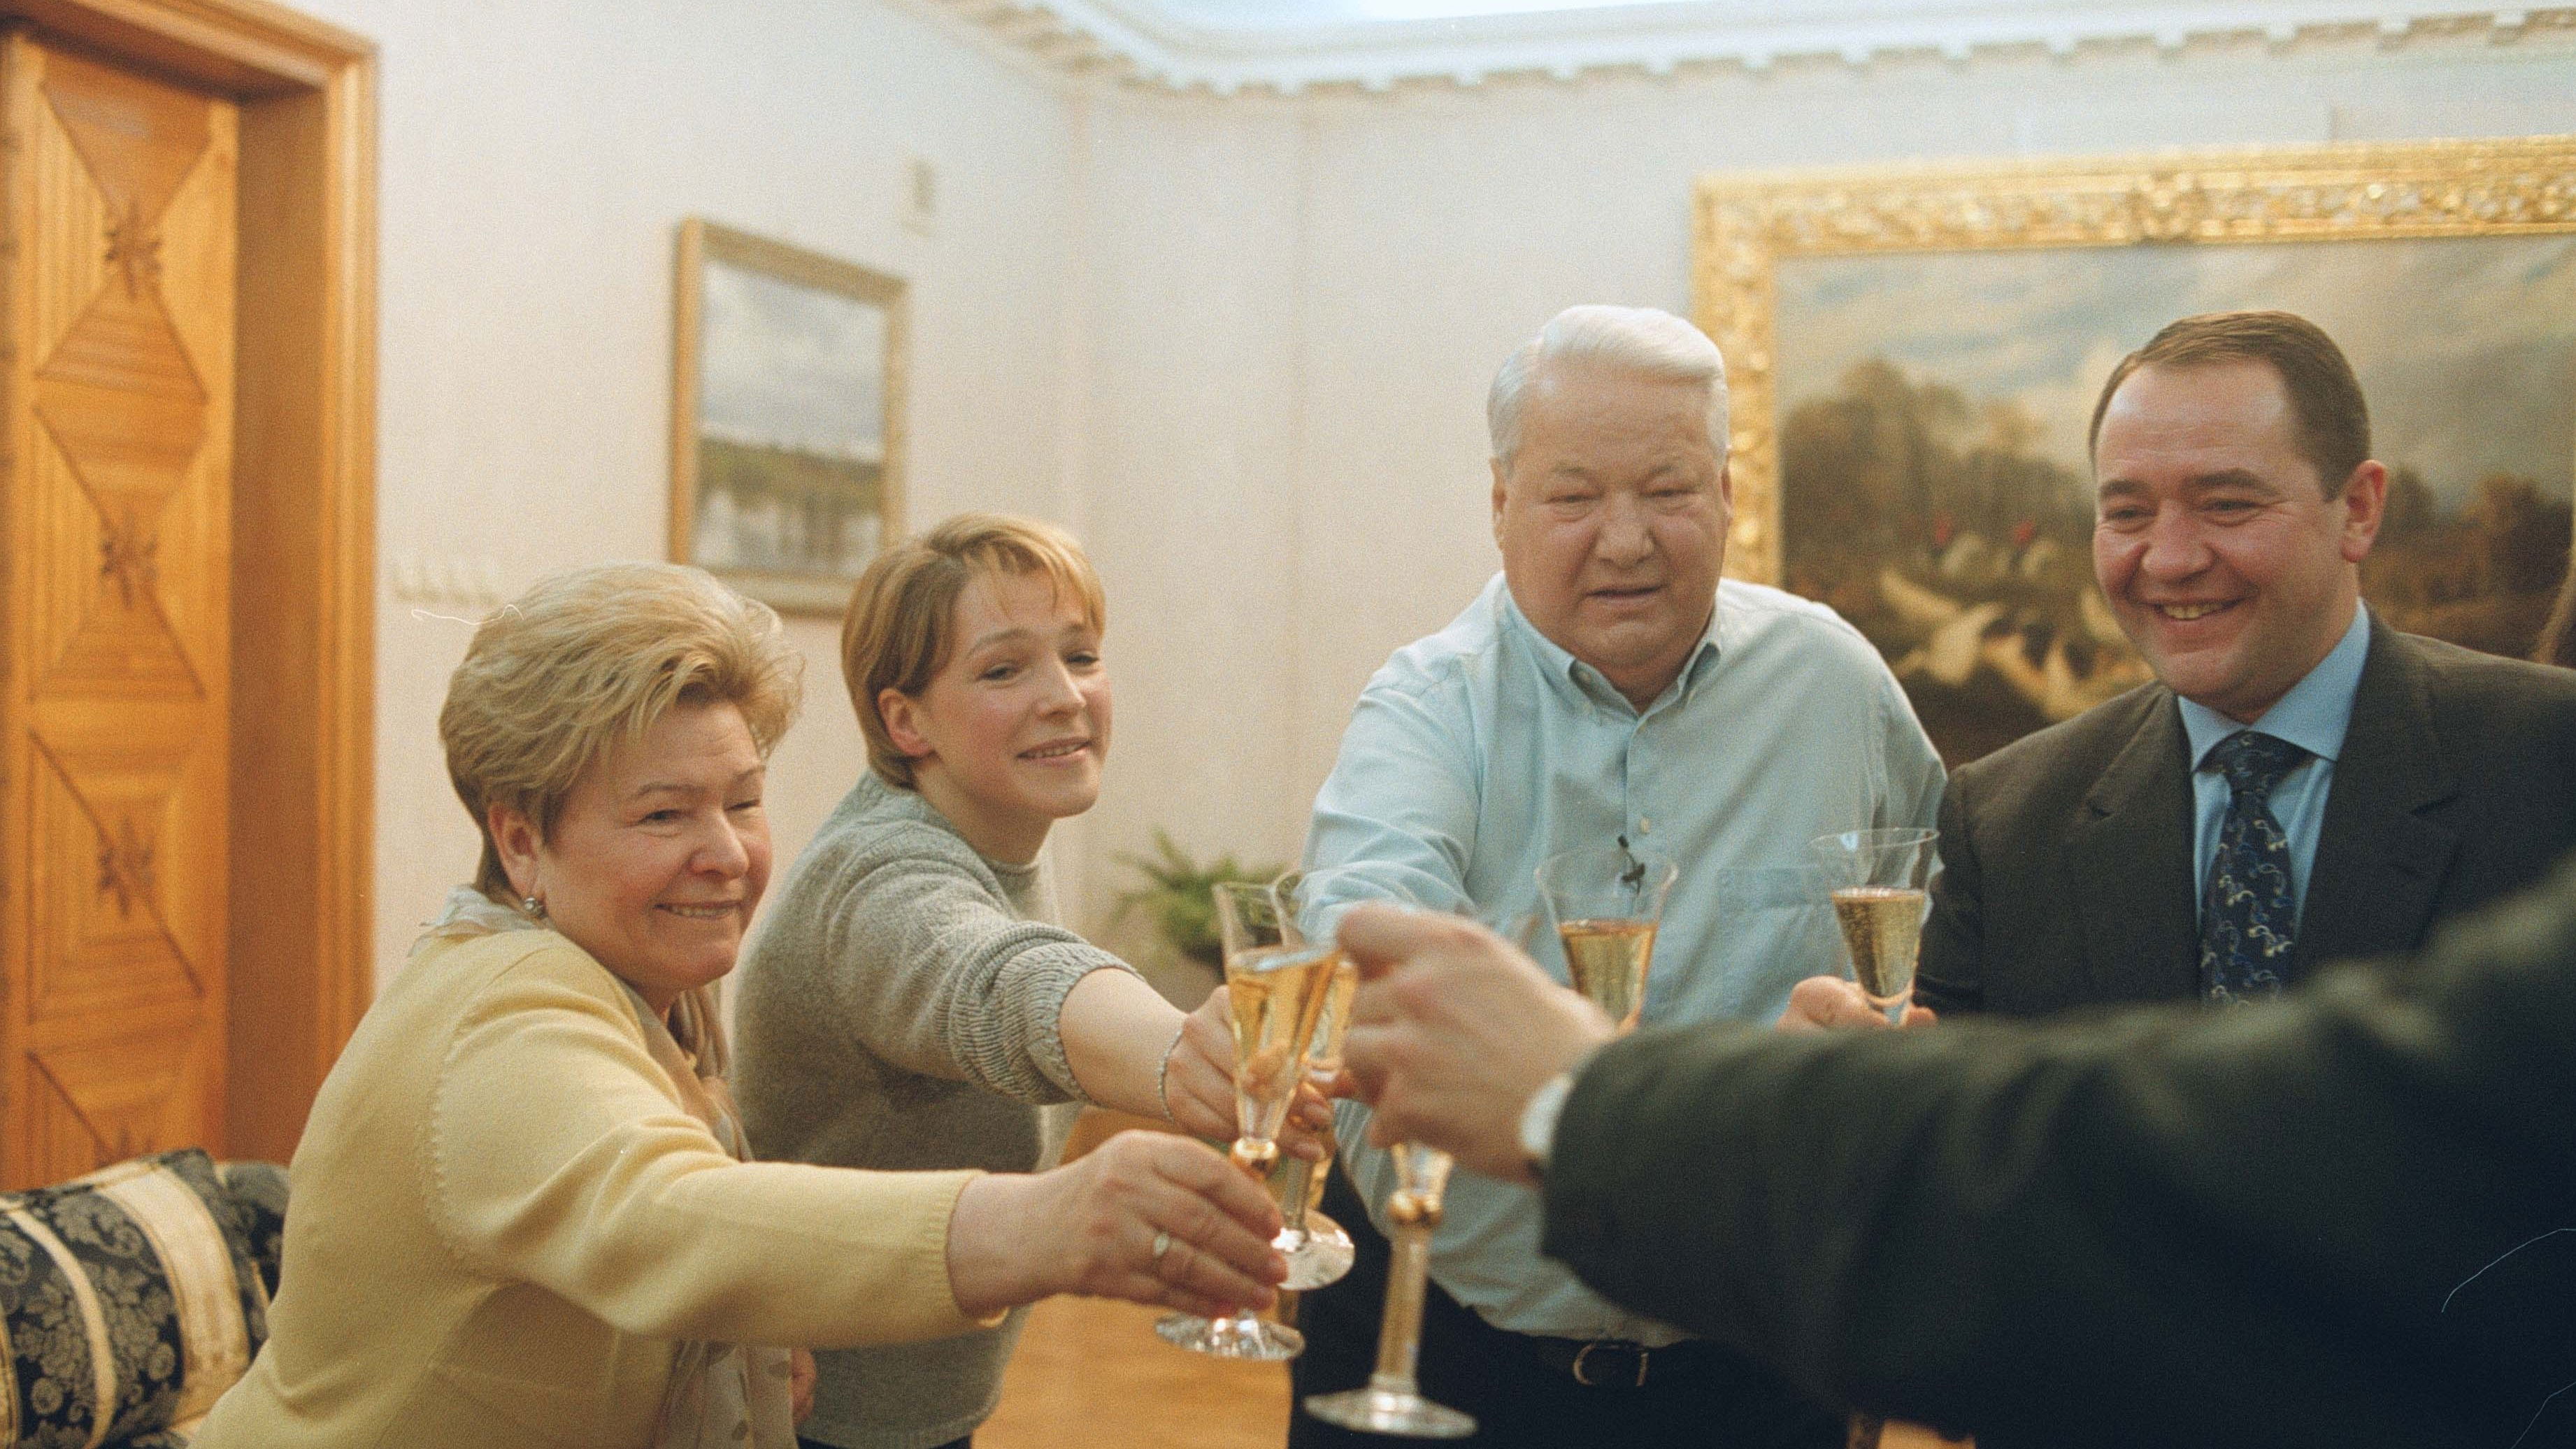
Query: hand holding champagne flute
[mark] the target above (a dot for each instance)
(1276, 984)
(1606, 901)
(1319, 1252)
(1392, 1401)
(1880, 880)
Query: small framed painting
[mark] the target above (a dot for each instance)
(786, 417)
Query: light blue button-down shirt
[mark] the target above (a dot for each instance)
(2313, 716)
(1478, 752)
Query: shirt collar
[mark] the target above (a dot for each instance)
(1566, 672)
(2313, 715)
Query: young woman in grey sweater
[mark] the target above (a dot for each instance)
(911, 1002)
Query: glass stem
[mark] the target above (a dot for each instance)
(1289, 1182)
(1399, 1334)
(1255, 1158)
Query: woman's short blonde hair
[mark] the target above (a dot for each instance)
(592, 657)
(899, 631)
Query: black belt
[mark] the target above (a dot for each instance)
(1616, 1363)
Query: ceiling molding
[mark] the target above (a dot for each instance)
(1133, 42)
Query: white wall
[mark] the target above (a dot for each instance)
(1434, 229)
(1240, 345)
(536, 159)
(1190, 460)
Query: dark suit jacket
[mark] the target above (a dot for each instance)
(2299, 1225)
(2066, 857)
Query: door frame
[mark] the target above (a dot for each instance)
(300, 947)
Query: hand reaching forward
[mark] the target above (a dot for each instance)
(1453, 1030)
(1825, 1003)
(1093, 1227)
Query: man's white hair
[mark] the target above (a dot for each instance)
(1635, 339)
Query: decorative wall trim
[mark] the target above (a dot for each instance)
(1132, 42)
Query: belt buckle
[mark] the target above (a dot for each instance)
(1583, 1356)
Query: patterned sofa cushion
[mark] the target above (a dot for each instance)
(258, 1194)
(130, 1295)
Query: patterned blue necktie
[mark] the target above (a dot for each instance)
(2250, 916)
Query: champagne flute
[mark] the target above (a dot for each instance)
(1392, 1403)
(1318, 1250)
(1606, 901)
(1276, 986)
(1880, 881)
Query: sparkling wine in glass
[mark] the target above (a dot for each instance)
(1880, 883)
(1880, 880)
(1606, 901)
(1276, 986)
(1318, 1250)
(1392, 1403)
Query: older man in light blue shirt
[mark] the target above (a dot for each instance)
(1606, 684)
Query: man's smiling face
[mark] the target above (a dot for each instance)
(2214, 540)
(1612, 520)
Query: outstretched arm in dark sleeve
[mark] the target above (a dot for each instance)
(2166, 1227)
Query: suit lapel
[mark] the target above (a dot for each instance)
(2379, 862)
(2130, 847)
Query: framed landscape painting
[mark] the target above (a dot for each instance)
(786, 417)
(1915, 356)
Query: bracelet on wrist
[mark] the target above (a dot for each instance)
(1163, 1078)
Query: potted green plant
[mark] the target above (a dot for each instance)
(1176, 897)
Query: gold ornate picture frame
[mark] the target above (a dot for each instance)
(787, 407)
(1828, 230)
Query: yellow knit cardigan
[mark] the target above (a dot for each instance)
(503, 1218)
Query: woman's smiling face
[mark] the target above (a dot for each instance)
(659, 856)
(1009, 736)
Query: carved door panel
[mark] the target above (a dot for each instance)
(118, 415)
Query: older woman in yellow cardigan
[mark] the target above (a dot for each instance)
(520, 1210)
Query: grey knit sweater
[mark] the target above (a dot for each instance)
(898, 1010)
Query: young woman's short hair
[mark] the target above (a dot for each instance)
(898, 632)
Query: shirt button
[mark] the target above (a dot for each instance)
(1645, 826)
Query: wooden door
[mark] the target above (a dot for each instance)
(118, 412)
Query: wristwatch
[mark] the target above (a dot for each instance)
(1538, 1120)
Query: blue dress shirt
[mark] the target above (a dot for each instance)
(1477, 753)
(2313, 716)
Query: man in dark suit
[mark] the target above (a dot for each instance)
(2300, 783)
(2323, 1223)
(2068, 873)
